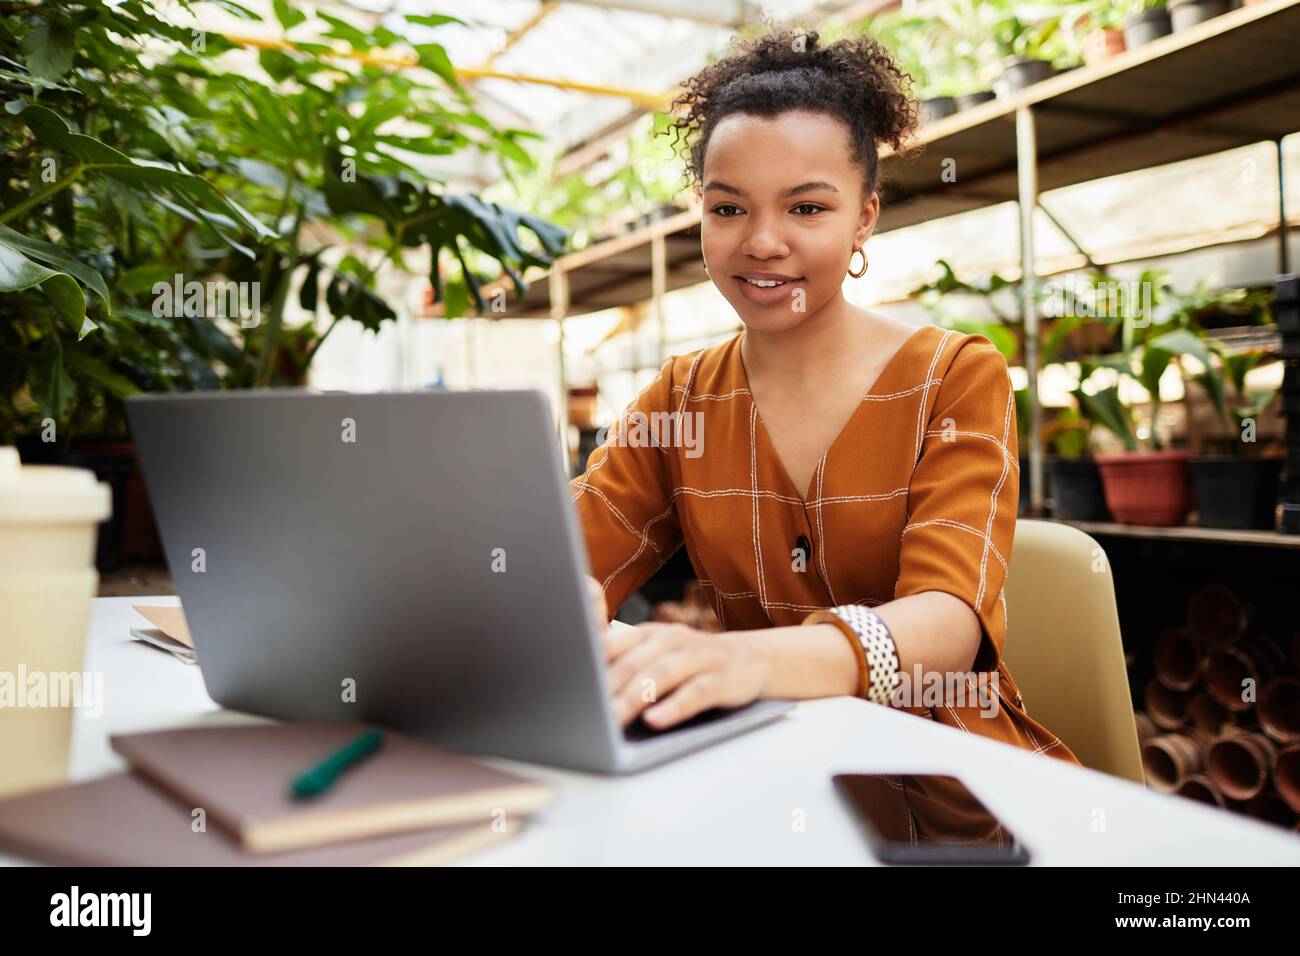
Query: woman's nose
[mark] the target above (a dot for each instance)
(764, 240)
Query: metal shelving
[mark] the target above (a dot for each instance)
(1228, 82)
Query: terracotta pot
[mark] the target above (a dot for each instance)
(1166, 708)
(1168, 760)
(1103, 44)
(1279, 710)
(1202, 789)
(1149, 488)
(1286, 772)
(1270, 808)
(1145, 726)
(1232, 671)
(1177, 658)
(1209, 716)
(1216, 616)
(1240, 764)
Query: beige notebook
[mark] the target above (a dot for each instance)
(240, 777)
(123, 820)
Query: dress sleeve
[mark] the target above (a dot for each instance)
(964, 493)
(624, 497)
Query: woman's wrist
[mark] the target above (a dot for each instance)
(800, 661)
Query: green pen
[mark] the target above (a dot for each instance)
(322, 776)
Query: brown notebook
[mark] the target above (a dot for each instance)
(240, 776)
(123, 820)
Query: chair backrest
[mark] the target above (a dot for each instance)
(1063, 645)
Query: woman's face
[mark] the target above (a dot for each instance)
(783, 201)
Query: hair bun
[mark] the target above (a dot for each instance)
(855, 79)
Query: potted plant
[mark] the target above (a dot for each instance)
(1027, 49)
(133, 159)
(979, 308)
(1104, 38)
(1147, 20)
(1185, 14)
(920, 52)
(1238, 489)
(1073, 475)
(1148, 486)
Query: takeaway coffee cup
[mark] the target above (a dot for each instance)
(48, 520)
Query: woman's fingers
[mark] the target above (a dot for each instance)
(619, 640)
(693, 697)
(656, 681)
(652, 640)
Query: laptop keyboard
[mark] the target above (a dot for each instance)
(640, 730)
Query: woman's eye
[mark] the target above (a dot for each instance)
(726, 210)
(808, 208)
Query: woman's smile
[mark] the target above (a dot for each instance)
(765, 288)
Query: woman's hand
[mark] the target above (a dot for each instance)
(670, 672)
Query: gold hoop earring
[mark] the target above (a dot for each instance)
(863, 271)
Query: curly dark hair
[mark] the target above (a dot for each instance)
(854, 79)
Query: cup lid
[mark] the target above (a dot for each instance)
(49, 493)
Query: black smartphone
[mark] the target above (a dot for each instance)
(930, 819)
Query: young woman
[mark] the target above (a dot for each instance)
(845, 484)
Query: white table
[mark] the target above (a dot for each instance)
(738, 802)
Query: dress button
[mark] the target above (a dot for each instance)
(803, 545)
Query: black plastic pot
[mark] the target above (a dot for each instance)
(1184, 14)
(1146, 26)
(112, 461)
(1022, 507)
(966, 100)
(937, 107)
(1236, 492)
(1077, 493)
(1018, 73)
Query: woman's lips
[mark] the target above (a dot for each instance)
(765, 295)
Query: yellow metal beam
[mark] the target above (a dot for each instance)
(406, 60)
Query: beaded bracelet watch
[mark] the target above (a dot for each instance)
(872, 643)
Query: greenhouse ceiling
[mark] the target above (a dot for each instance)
(575, 71)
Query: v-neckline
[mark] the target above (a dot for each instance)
(857, 410)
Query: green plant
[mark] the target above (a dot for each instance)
(1158, 328)
(135, 152)
(921, 51)
(1040, 38)
(1105, 14)
(1237, 406)
(639, 175)
(973, 308)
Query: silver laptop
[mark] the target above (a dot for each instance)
(411, 560)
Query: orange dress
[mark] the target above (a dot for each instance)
(917, 493)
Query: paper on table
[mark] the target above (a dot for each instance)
(169, 620)
(156, 638)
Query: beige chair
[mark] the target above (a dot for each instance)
(1063, 645)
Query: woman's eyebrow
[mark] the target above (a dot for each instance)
(792, 191)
